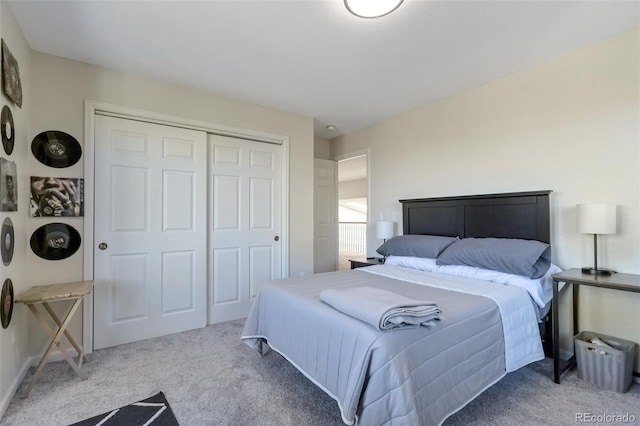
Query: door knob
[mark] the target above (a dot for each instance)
(276, 238)
(102, 246)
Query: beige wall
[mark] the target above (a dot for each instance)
(571, 125)
(14, 341)
(322, 148)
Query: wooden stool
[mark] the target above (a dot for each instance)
(44, 294)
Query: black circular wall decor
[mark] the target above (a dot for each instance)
(55, 241)
(6, 241)
(56, 149)
(6, 303)
(7, 130)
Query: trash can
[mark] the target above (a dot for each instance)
(608, 367)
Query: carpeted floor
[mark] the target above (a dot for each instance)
(344, 257)
(210, 377)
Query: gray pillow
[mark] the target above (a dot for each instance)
(527, 258)
(429, 246)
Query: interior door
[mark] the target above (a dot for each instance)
(150, 221)
(325, 254)
(245, 184)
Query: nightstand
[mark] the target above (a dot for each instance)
(615, 281)
(363, 262)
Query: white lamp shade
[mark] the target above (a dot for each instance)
(384, 230)
(597, 218)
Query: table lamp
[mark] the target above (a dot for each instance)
(384, 231)
(596, 219)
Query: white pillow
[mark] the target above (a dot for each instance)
(540, 289)
(419, 263)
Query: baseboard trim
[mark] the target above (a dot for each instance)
(32, 361)
(8, 396)
(54, 357)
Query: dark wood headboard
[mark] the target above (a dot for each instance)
(523, 215)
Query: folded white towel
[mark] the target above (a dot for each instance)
(383, 309)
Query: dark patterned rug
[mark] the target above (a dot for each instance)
(154, 411)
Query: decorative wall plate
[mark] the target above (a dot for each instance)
(6, 303)
(55, 241)
(7, 241)
(56, 149)
(7, 130)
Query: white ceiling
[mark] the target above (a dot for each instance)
(311, 56)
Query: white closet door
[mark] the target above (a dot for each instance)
(244, 223)
(150, 222)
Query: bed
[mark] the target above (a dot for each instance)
(413, 375)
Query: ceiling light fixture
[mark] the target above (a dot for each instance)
(372, 8)
(331, 127)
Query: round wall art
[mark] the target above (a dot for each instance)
(55, 241)
(6, 241)
(56, 149)
(7, 130)
(6, 303)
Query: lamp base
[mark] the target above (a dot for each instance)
(597, 271)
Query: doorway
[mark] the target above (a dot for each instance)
(353, 194)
